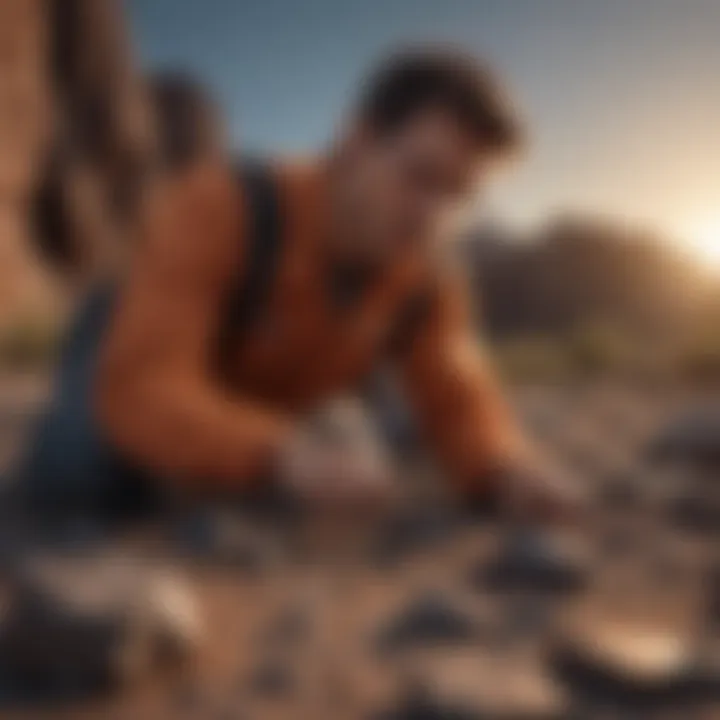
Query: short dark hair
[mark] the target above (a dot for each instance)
(417, 79)
(188, 121)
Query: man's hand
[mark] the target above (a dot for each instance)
(334, 472)
(532, 489)
(543, 494)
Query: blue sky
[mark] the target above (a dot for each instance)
(622, 96)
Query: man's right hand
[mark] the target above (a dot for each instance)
(331, 474)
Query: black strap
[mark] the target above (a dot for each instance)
(264, 236)
(410, 320)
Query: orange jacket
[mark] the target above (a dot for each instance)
(161, 399)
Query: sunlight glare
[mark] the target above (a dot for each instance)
(705, 243)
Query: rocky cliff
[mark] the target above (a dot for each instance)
(24, 115)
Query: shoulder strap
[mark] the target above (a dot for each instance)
(264, 236)
(410, 319)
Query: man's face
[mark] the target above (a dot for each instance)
(402, 186)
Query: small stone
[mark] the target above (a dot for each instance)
(272, 680)
(429, 620)
(530, 562)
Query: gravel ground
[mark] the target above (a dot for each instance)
(438, 615)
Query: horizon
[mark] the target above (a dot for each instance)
(621, 99)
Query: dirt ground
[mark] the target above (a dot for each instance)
(302, 637)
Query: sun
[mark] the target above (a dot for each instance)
(705, 243)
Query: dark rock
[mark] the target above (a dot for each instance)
(530, 562)
(414, 531)
(272, 680)
(227, 539)
(695, 514)
(429, 620)
(692, 437)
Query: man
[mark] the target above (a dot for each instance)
(254, 296)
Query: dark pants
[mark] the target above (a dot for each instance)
(70, 466)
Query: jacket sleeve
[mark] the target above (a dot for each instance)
(155, 394)
(452, 389)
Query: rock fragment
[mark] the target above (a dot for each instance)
(429, 620)
(80, 625)
(634, 668)
(531, 562)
